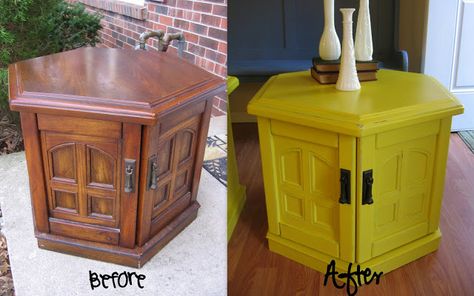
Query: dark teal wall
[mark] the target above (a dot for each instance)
(290, 29)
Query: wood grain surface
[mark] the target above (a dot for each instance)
(254, 270)
(104, 83)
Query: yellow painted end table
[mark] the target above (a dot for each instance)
(358, 176)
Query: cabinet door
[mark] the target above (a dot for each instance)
(402, 163)
(173, 151)
(308, 165)
(84, 178)
(175, 159)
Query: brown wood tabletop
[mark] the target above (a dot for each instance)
(104, 83)
(254, 270)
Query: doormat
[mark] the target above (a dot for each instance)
(468, 138)
(215, 157)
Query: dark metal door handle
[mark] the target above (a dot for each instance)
(367, 181)
(129, 175)
(345, 179)
(152, 173)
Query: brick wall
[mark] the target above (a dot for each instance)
(204, 23)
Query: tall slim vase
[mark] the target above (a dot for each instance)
(329, 45)
(347, 80)
(363, 40)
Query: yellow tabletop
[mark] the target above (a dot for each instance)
(395, 97)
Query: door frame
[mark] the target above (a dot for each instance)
(444, 29)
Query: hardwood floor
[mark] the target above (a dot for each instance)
(254, 270)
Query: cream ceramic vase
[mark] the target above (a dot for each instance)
(347, 80)
(329, 45)
(363, 40)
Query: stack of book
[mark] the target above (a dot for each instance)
(327, 72)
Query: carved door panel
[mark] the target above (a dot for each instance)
(83, 185)
(402, 163)
(175, 159)
(308, 166)
(171, 167)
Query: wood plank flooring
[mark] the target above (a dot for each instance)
(254, 270)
